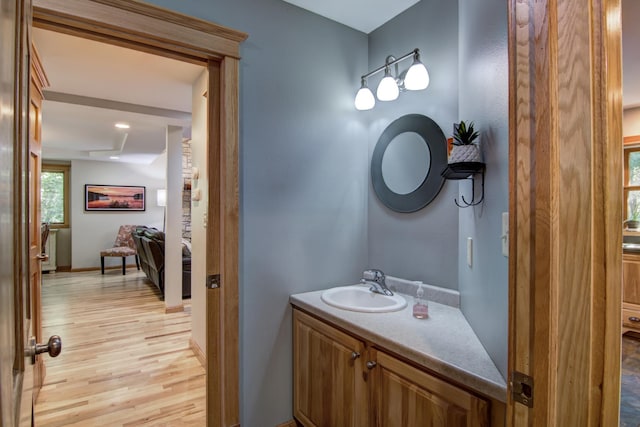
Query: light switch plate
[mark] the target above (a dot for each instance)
(505, 234)
(469, 251)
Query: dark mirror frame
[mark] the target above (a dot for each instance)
(432, 184)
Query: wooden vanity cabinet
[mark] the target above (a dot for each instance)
(339, 381)
(405, 396)
(631, 292)
(328, 385)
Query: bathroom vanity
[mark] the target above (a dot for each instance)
(390, 369)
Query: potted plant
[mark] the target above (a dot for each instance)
(465, 148)
(633, 221)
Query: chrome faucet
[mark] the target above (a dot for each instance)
(377, 282)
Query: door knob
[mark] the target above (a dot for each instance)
(42, 257)
(53, 347)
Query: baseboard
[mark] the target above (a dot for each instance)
(291, 423)
(80, 270)
(174, 309)
(202, 358)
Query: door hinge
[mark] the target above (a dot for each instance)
(522, 388)
(213, 281)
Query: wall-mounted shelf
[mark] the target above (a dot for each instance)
(466, 170)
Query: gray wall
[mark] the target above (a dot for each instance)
(309, 217)
(421, 245)
(303, 179)
(484, 91)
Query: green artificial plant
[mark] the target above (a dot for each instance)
(464, 134)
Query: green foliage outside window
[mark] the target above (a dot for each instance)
(633, 200)
(52, 197)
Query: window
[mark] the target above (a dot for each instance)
(54, 195)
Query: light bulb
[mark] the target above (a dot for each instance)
(388, 88)
(417, 77)
(364, 98)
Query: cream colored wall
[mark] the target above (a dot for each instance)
(198, 213)
(631, 122)
(173, 236)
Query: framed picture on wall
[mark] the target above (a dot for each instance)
(114, 198)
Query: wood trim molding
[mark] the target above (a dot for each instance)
(83, 269)
(139, 25)
(37, 72)
(200, 355)
(167, 15)
(174, 309)
(634, 139)
(609, 240)
(291, 423)
(565, 162)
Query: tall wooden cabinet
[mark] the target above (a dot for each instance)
(339, 380)
(630, 292)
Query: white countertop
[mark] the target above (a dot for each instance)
(444, 343)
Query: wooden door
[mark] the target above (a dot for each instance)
(329, 389)
(38, 81)
(408, 397)
(16, 379)
(565, 261)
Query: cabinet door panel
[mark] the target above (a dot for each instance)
(328, 378)
(631, 280)
(408, 397)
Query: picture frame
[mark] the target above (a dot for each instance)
(114, 198)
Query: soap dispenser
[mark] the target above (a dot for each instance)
(420, 306)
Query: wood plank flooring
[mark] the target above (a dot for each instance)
(124, 362)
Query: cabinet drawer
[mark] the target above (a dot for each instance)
(631, 318)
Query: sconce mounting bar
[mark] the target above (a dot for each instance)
(390, 63)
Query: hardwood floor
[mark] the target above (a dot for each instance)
(124, 362)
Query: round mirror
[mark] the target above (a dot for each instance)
(406, 163)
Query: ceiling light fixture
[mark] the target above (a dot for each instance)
(114, 157)
(122, 126)
(415, 78)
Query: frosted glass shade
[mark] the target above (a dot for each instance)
(387, 89)
(417, 77)
(365, 99)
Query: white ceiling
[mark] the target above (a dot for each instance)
(363, 15)
(100, 74)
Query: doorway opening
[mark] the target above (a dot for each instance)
(159, 31)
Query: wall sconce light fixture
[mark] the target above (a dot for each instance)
(416, 77)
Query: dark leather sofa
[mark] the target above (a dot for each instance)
(150, 247)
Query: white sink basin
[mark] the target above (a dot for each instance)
(360, 298)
